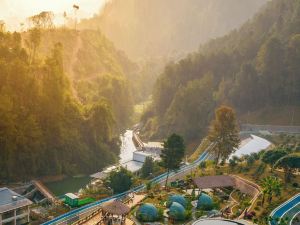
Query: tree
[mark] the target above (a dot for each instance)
(172, 154)
(2, 26)
(203, 166)
(232, 163)
(120, 180)
(271, 186)
(147, 167)
(250, 160)
(42, 20)
(101, 121)
(272, 156)
(224, 133)
(270, 65)
(34, 42)
(289, 163)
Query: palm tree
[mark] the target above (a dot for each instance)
(271, 186)
(264, 192)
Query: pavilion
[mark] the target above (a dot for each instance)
(114, 212)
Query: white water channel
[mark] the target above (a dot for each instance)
(127, 147)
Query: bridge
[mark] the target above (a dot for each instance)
(82, 212)
(255, 128)
(137, 141)
(44, 191)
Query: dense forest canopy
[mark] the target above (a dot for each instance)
(95, 68)
(253, 68)
(155, 28)
(63, 96)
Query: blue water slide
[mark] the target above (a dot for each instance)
(288, 210)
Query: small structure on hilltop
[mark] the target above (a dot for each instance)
(114, 212)
(147, 213)
(14, 208)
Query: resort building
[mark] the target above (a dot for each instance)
(14, 208)
(153, 148)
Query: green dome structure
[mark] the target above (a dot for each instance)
(176, 198)
(147, 213)
(205, 202)
(177, 211)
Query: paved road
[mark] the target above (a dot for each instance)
(81, 212)
(289, 209)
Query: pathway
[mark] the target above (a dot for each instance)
(70, 216)
(136, 200)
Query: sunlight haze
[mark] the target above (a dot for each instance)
(14, 12)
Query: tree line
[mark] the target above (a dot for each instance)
(252, 68)
(44, 130)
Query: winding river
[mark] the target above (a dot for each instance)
(73, 184)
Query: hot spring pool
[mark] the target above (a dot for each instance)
(217, 222)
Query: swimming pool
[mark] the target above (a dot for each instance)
(217, 222)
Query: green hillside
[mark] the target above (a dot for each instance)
(64, 97)
(96, 69)
(252, 68)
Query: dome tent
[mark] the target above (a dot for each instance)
(205, 202)
(177, 211)
(147, 213)
(176, 198)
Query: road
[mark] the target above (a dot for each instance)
(81, 212)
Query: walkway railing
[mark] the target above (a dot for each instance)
(77, 214)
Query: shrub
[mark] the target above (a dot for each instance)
(188, 214)
(199, 213)
(160, 213)
(260, 169)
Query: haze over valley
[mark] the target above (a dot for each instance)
(164, 111)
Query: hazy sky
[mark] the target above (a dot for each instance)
(13, 12)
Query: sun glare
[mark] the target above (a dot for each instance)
(15, 12)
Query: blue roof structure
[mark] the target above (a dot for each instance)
(10, 200)
(147, 213)
(177, 211)
(176, 198)
(205, 201)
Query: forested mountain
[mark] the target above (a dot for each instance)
(156, 28)
(62, 96)
(255, 69)
(97, 70)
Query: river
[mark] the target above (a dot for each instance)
(73, 184)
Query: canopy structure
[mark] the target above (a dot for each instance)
(214, 181)
(222, 181)
(114, 212)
